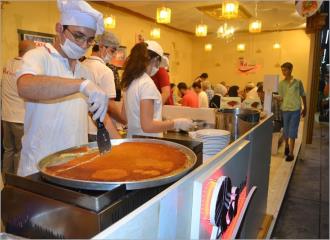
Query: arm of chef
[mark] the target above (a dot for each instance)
(148, 124)
(33, 84)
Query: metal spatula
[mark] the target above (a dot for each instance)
(102, 138)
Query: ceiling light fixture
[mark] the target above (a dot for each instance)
(240, 47)
(155, 33)
(208, 47)
(110, 22)
(256, 24)
(224, 31)
(229, 9)
(276, 45)
(201, 30)
(163, 15)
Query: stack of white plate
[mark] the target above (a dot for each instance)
(214, 140)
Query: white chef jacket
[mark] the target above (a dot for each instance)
(12, 105)
(52, 125)
(203, 100)
(141, 88)
(104, 78)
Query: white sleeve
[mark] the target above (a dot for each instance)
(107, 83)
(33, 63)
(148, 90)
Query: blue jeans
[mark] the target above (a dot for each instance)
(291, 123)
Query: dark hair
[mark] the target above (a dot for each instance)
(197, 85)
(260, 88)
(182, 85)
(136, 64)
(96, 48)
(287, 65)
(172, 85)
(260, 84)
(233, 91)
(204, 75)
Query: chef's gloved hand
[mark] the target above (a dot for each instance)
(182, 123)
(97, 99)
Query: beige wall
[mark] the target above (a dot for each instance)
(41, 17)
(187, 56)
(222, 62)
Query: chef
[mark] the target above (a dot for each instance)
(57, 89)
(142, 101)
(103, 76)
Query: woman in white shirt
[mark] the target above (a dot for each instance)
(142, 100)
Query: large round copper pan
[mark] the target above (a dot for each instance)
(63, 156)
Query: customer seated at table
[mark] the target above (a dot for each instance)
(233, 91)
(251, 91)
(206, 87)
(189, 97)
(202, 96)
(219, 92)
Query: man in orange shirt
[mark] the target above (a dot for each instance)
(189, 97)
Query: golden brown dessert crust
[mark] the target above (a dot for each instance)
(129, 161)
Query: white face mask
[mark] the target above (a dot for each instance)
(154, 70)
(72, 50)
(107, 58)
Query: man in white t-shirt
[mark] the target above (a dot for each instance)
(57, 88)
(104, 78)
(202, 96)
(13, 111)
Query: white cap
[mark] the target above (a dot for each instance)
(80, 13)
(155, 47)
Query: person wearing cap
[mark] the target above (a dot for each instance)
(104, 78)
(291, 93)
(142, 101)
(57, 88)
(13, 111)
(161, 77)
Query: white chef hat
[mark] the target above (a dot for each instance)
(80, 13)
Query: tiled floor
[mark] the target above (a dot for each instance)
(305, 209)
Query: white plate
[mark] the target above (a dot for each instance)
(212, 132)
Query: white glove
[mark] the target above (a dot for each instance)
(183, 123)
(97, 99)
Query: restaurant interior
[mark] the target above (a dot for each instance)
(239, 43)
